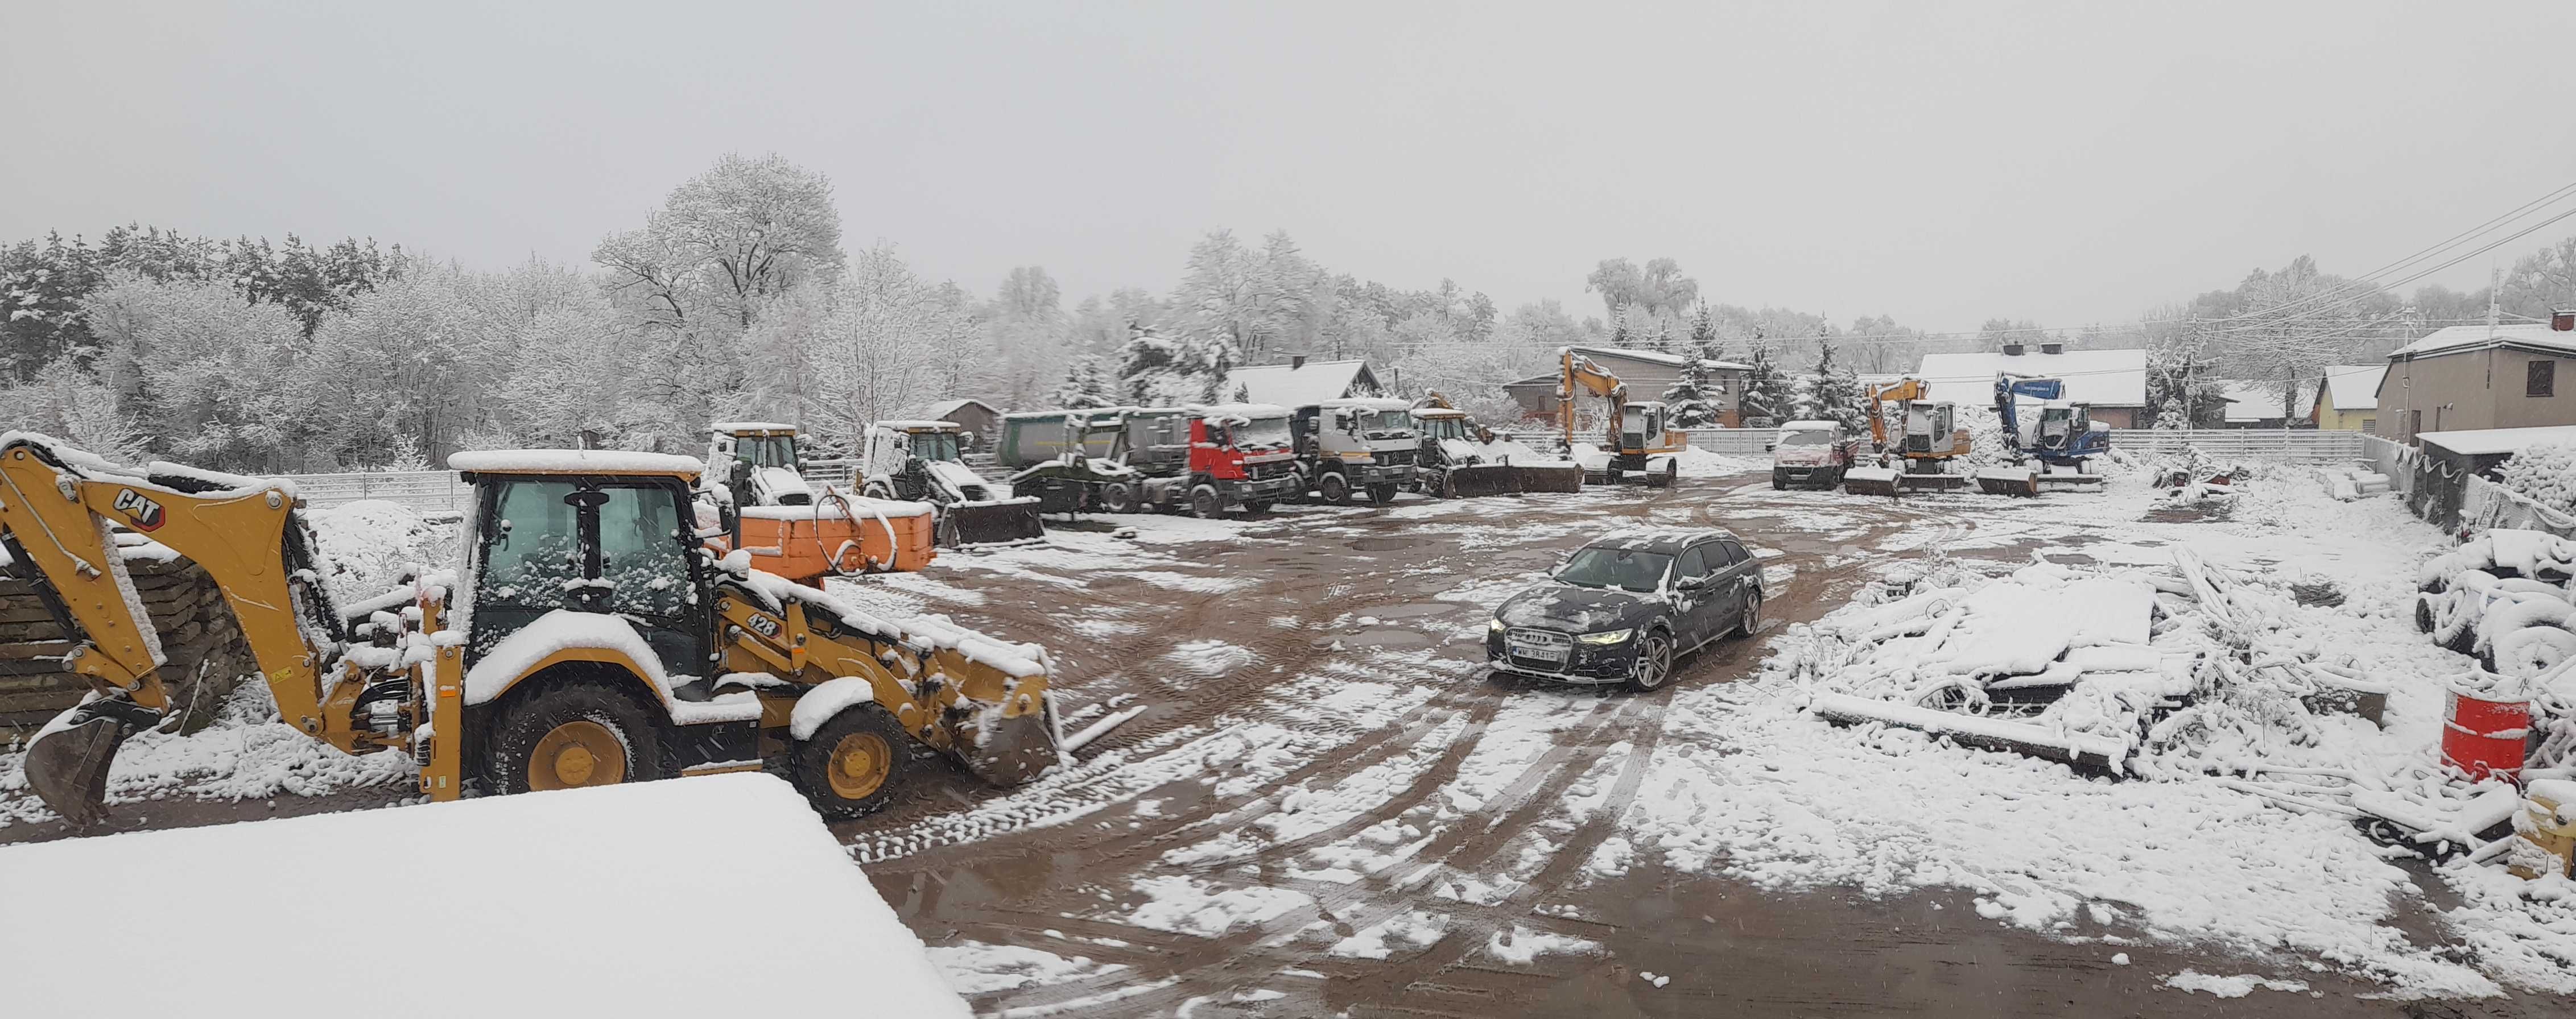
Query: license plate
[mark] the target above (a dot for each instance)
(1548, 654)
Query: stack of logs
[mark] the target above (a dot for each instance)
(199, 638)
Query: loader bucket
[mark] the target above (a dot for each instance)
(1483, 479)
(67, 763)
(1870, 481)
(2021, 481)
(1007, 521)
(1551, 477)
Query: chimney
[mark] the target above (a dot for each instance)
(2013, 349)
(2052, 347)
(1296, 361)
(2563, 320)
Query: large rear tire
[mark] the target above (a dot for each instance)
(1206, 503)
(1118, 497)
(571, 734)
(1382, 493)
(854, 765)
(1335, 488)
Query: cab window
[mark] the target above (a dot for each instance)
(532, 551)
(640, 554)
(1694, 562)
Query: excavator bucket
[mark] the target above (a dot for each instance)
(1482, 479)
(1004, 727)
(1870, 481)
(1004, 522)
(67, 763)
(2020, 481)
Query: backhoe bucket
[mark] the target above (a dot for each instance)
(991, 523)
(1870, 481)
(1483, 479)
(1552, 477)
(67, 763)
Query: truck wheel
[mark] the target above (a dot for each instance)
(1118, 497)
(876, 490)
(854, 764)
(1382, 493)
(1672, 474)
(1205, 503)
(1448, 487)
(571, 734)
(946, 536)
(1779, 480)
(1336, 489)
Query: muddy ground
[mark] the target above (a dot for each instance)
(1329, 806)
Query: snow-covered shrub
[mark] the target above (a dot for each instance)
(2545, 473)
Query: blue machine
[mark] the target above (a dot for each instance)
(2061, 440)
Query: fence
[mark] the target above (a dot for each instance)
(2274, 445)
(428, 491)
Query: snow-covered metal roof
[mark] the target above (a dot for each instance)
(2485, 441)
(749, 426)
(2352, 386)
(1246, 411)
(1296, 385)
(943, 408)
(572, 461)
(2100, 378)
(2457, 339)
(1656, 357)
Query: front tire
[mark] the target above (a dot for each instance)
(854, 764)
(1752, 613)
(1335, 488)
(568, 735)
(1206, 503)
(1118, 497)
(1779, 480)
(1382, 493)
(1654, 664)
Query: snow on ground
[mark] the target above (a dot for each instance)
(368, 545)
(1793, 802)
(245, 754)
(2228, 987)
(505, 884)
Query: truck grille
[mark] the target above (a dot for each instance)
(1396, 458)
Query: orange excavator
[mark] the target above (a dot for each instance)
(1640, 437)
(1927, 438)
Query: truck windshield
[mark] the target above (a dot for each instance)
(1372, 421)
(1625, 569)
(1262, 432)
(766, 450)
(1807, 437)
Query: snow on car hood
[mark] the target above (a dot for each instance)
(1801, 456)
(1572, 609)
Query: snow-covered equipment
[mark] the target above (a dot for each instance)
(2062, 439)
(2484, 737)
(1640, 438)
(2546, 828)
(1451, 461)
(1352, 447)
(755, 483)
(1812, 452)
(1926, 439)
(923, 461)
(590, 638)
(1139, 459)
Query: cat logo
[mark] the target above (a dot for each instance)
(145, 512)
(766, 626)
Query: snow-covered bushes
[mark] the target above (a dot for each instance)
(2546, 474)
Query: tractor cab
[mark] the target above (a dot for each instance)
(1641, 428)
(1437, 424)
(759, 462)
(596, 532)
(2065, 429)
(1930, 430)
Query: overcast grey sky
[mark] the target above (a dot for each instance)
(1942, 163)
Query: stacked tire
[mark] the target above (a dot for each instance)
(2503, 597)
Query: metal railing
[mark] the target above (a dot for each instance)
(2267, 444)
(428, 491)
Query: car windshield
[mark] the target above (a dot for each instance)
(1622, 568)
(1807, 437)
(766, 450)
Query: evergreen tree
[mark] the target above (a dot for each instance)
(1835, 390)
(1766, 390)
(1689, 397)
(1083, 388)
(1619, 329)
(1703, 334)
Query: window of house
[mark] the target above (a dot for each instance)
(2370, 425)
(2541, 379)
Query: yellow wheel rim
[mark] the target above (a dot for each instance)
(575, 754)
(860, 763)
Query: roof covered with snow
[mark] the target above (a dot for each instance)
(1297, 385)
(943, 408)
(749, 426)
(2457, 339)
(1246, 411)
(2484, 441)
(2352, 386)
(619, 861)
(1656, 357)
(2100, 378)
(572, 461)
(2251, 399)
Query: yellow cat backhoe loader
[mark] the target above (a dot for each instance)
(587, 640)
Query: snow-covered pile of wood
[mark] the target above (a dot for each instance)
(2186, 668)
(2546, 473)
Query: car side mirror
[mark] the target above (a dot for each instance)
(1770, 447)
(1691, 584)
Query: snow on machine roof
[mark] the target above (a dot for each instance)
(1246, 411)
(738, 427)
(572, 461)
(1438, 412)
(921, 425)
(1368, 403)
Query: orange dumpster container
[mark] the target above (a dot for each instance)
(838, 535)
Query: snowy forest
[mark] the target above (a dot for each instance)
(738, 298)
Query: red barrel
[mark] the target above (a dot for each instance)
(2486, 737)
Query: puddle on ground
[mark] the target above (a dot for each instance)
(1388, 544)
(1381, 637)
(1413, 611)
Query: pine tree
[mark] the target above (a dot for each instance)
(1835, 390)
(1766, 391)
(1619, 329)
(1703, 334)
(1082, 388)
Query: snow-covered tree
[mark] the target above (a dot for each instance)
(1834, 392)
(1083, 388)
(67, 402)
(1767, 391)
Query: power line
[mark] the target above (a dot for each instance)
(2453, 241)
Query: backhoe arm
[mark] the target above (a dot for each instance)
(1583, 373)
(56, 508)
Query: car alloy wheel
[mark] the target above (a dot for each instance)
(1654, 662)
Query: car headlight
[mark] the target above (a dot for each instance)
(1497, 626)
(1608, 637)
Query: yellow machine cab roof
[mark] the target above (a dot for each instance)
(573, 461)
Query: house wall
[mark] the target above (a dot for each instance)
(2118, 417)
(2472, 389)
(1646, 381)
